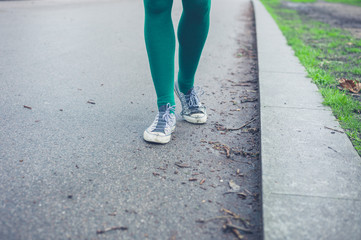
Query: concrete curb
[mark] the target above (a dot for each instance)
(310, 173)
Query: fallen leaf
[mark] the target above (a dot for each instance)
(234, 186)
(351, 85)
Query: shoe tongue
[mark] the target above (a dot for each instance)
(161, 122)
(162, 108)
(189, 91)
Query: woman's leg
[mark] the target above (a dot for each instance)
(192, 34)
(160, 43)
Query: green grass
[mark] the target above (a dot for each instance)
(303, 1)
(328, 54)
(351, 2)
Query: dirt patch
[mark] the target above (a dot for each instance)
(335, 14)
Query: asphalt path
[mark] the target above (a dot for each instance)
(75, 98)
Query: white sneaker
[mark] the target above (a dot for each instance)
(192, 109)
(164, 124)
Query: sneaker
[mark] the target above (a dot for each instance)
(192, 109)
(164, 124)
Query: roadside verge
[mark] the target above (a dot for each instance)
(310, 170)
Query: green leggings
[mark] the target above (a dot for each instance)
(160, 43)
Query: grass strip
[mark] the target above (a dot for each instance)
(328, 54)
(350, 2)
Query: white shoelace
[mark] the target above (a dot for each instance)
(194, 97)
(167, 115)
(159, 125)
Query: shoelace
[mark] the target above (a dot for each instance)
(194, 97)
(166, 116)
(163, 121)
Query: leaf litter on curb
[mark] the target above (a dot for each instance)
(219, 146)
(224, 149)
(228, 225)
(220, 127)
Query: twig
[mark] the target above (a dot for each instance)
(230, 225)
(234, 230)
(239, 128)
(111, 229)
(249, 100)
(182, 165)
(216, 218)
(240, 84)
(247, 191)
(235, 216)
(230, 212)
(228, 151)
(334, 130)
(219, 146)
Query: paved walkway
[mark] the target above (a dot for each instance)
(311, 173)
(69, 168)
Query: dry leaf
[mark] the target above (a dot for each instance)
(351, 85)
(234, 186)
